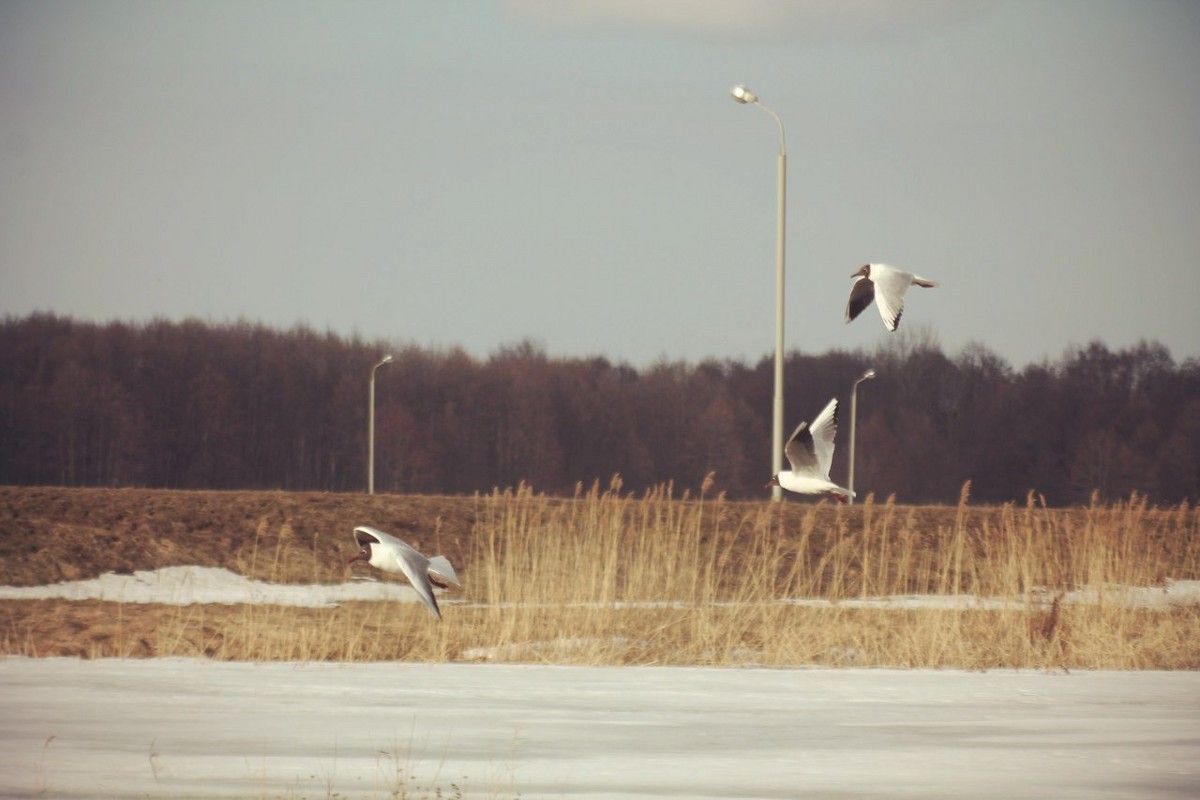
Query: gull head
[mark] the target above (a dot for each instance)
(364, 554)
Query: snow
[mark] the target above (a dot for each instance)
(174, 727)
(192, 728)
(190, 584)
(186, 585)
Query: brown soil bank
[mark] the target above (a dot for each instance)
(52, 534)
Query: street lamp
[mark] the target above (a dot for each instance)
(371, 427)
(743, 95)
(866, 376)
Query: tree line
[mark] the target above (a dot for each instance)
(193, 405)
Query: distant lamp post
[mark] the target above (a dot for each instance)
(371, 427)
(866, 376)
(743, 95)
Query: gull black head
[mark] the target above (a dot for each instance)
(364, 541)
(363, 554)
(863, 272)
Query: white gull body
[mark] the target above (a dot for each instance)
(386, 552)
(885, 285)
(810, 453)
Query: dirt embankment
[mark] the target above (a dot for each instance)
(51, 534)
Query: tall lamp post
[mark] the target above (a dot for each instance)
(743, 95)
(866, 376)
(371, 426)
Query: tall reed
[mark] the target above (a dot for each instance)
(667, 578)
(612, 577)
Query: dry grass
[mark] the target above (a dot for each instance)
(612, 578)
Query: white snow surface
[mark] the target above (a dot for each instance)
(185, 585)
(192, 728)
(175, 727)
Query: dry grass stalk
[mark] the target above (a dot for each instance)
(608, 577)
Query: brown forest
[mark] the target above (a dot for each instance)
(240, 406)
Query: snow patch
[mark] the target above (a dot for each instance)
(197, 585)
(189, 585)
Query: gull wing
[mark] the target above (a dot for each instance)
(890, 286)
(861, 295)
(800, 452)
(416, 568)
(365, 534)
(823, 430)
(441, 571)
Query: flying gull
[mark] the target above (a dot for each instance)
(885, 285)
(386, 552)
(810, 452)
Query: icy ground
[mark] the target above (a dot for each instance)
(186, 585)
(197, 729)
(190, 728)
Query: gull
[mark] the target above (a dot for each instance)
(386, 552)
(810, 452)
(885, 285)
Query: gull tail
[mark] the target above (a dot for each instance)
(840, 494)
(441, 572)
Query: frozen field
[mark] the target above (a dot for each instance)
(184, 728)
(198, 729)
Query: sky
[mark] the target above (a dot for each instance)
(575, 173)
(182, 727)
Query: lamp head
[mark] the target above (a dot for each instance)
(743, 95)
(387, 359)
(867, 375)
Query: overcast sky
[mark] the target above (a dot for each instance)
(575, 172)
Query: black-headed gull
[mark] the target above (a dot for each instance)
(386, 552)
(885, 285)
(810, 452)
